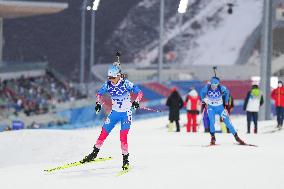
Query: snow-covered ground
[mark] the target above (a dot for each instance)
(160, 159)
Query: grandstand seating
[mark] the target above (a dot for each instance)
(35, 95)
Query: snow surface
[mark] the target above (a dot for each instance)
(160, 159)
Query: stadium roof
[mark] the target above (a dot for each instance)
(16, 9)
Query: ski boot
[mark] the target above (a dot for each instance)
(255, 130)
(91, 156)
(248, 132)
(170, 127)
(125, 165)
(213, 139)
(241, 142)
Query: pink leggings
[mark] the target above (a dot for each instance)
(123, 140)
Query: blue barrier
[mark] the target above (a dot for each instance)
(80, 115)
(3, 127)
(17, 125)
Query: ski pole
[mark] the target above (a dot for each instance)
(202, 115)
(201, 118)
(150, 109)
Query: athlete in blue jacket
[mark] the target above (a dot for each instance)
(213, 93)
(119, 90)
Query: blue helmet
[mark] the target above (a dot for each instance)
(113, 71)
(215, 81)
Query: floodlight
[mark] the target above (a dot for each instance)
(183, 6)
(96, 5)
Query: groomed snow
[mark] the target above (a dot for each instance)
(159, 159)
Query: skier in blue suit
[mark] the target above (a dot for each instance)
(213, 93)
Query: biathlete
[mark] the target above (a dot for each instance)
(119, 90)
(211, 95)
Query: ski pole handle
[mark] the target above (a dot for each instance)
(215, 68)
(118, 54)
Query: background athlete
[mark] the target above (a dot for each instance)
(211, 95)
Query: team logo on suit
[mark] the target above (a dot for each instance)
(117, 90)
(214, 94)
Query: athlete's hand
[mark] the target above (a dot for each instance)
(227, 107)
(98, 107)
(135, 105)
(205, 101)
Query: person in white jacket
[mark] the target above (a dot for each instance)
(253, 101)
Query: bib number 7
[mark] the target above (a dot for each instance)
(118, 102)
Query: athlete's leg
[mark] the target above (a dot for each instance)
(205, 120)
(107, 127)
(126, 121)
(109, 124)
(224, 114)
(211, 115)
(123, 140)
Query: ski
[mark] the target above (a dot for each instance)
(210, 145)
(77, 163)
(123, 172)
(273, 131)
(253, 145)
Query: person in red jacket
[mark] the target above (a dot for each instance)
(192, 104)
(278, 96)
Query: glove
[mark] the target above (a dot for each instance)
(135, 105)
(227, 107)
(98, 107)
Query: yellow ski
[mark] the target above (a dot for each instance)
(123, 172)
(77, 163)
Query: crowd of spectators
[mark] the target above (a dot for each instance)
(35, 95)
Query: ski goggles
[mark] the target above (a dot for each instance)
(214, 84)
(110, 77)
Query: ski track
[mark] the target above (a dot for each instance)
(159, 159)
